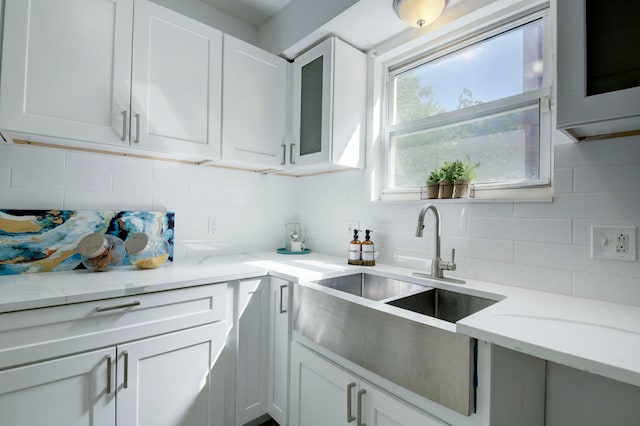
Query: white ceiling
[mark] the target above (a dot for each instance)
(254, 12)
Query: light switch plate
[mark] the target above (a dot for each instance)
(613, 243)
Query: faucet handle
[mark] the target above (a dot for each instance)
(449, 266)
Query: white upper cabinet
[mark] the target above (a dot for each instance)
(598, 69)
(176, 83)
(71, 71)
(329, 104)
(66, 69)
(254, 118)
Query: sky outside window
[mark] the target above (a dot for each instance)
(505, 65)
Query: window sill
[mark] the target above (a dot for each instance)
(511, 195)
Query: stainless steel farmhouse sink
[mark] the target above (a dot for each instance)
(442, 304)
(371, 286)
(418, 350)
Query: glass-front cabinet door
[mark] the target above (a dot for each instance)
(598, 68)
(313, 83)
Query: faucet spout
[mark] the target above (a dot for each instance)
(437, 264)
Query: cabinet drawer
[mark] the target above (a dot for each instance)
(38, 334)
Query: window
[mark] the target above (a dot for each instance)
(485, 101)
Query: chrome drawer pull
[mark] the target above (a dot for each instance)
(126, 369)
(108, 373)
(124, 125)
(292, 159)
(137, 139)
(124, 305)
(282, 287)
(350, 416)
(284, 155)
(359, 421)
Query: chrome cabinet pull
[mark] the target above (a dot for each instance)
(284, 155)
(108, 373)
(124, 125)
(122, 306)
(282, 287)
(126, 369)
(137, 139)
(359, 421)
(350, 416)
(292, 158)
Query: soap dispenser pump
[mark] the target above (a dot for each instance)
(355, 247)
(367, 250)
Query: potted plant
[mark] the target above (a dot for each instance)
(433, 184)
(466, 174)
(449, 172)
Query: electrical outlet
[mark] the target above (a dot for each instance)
(352, 225)
(613, 242)
(212, 225)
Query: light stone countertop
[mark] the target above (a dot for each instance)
(599, 337)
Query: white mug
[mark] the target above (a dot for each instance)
(297, 246)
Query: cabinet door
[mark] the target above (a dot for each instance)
(598, 71)
(252, 351)
(313, 86)
(254, 105)
(176, 83)
(165, 380)
(320, 391)
(66, 69)
(381, 409)
(74, 390)
(279, 350)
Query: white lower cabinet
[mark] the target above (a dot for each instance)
(324, 394)
(278, 394)
(262, 353)
(73, 390)
(251, 354)
(155, 356)
(165, 380)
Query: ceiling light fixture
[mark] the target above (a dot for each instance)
(419, 13)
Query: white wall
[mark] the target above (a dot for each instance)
(250, 209)
(542, 246)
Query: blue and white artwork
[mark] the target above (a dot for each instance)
(47, 240)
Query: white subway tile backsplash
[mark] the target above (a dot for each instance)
(608, 287)
(613, 206)
(201, 188)
(563, 181)
(616, 178)
(598, 153)
(5, 176)
(549, 230)
(557, 256)
(114, 164)
(42, 177)
(532, 277)
(498, 250)
(27, 198)
(29, 156)
(543, 246)
(133, 200)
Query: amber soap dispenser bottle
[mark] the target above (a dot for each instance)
(367, 250)
(355, 246)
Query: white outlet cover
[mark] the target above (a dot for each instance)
(603, 242)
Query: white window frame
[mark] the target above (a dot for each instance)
(449, 42)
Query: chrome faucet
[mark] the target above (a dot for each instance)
(437, 264)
